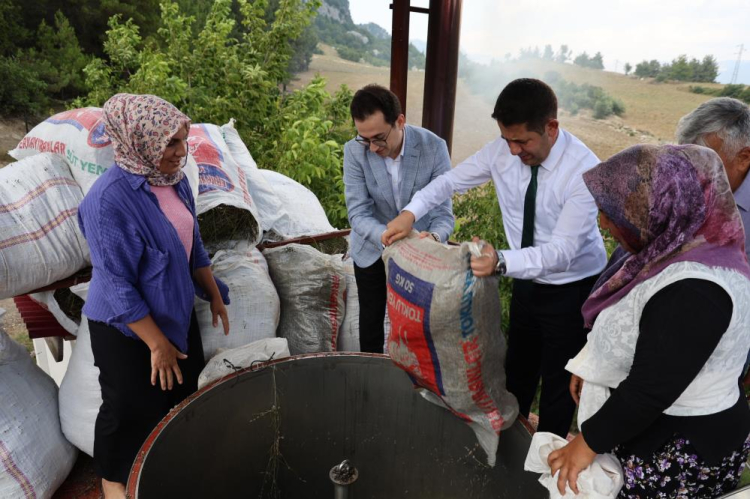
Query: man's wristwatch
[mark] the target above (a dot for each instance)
(500, 268)
(436, 236)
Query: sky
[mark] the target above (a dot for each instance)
(623, 31)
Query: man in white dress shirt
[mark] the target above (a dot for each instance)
(384, 166)
(556, 251)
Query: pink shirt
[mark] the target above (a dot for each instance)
(177, 213)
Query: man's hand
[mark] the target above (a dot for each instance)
(570, 461)
(484, 265)
(398, 228)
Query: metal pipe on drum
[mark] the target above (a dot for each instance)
(342, 476)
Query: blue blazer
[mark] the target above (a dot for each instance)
(369, 195)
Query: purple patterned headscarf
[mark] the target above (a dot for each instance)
(140, 127)
(671, 204)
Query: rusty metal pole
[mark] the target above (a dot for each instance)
(441, 70)
(400, 50)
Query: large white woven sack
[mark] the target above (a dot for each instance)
(78, 136)
(35, 458)
(40, 241)
(231, 361)
(254, 308)
(311, 286)
(306, 215)
(80, 393)
(221, 180)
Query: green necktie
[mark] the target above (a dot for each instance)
(529, 205)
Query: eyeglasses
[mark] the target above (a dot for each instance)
(378, 142)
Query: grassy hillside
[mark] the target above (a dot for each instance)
(651, 109)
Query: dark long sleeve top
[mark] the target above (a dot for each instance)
(680, 327)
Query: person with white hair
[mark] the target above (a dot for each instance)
(723, 124)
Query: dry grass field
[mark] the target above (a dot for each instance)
(652, 109)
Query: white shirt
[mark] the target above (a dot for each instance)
(567, 243)
(393, 167)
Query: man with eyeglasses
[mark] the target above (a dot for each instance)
(384, 166)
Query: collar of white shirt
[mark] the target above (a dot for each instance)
(553, 158)
(390, 161)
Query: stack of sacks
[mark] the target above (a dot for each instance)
(78, 136)
(311, 286)
(35, 458)
(59, 161)
(40, 242)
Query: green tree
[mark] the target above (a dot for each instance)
(582, 60)
(548, 53)
(12, 32)
(89, 17)
(680, 69)
(22, 93)
(563, 54)
(597, 62)
(628, 68)
(58, 58)
(215, 76)
(648, 69)
(709, 69)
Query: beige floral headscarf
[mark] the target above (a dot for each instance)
(140, 127)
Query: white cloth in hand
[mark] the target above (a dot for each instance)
(601, 480)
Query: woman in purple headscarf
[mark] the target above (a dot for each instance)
(670, 329)
(149, 262)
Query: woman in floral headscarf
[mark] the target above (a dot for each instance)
(671, 328)
(139, 220)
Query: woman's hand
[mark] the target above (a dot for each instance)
(576, 385)
(164, 364)
(218, 309)
(570, 461)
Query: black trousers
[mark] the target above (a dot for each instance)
(131, 408)
(546, 330)
(372, 298)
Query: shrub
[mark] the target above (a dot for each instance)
(731, 90)
(603, 108)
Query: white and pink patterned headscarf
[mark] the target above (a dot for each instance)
(140, 127)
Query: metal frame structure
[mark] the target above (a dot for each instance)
(441, 70)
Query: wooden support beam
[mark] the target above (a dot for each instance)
(441, 71)
(400, 50)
